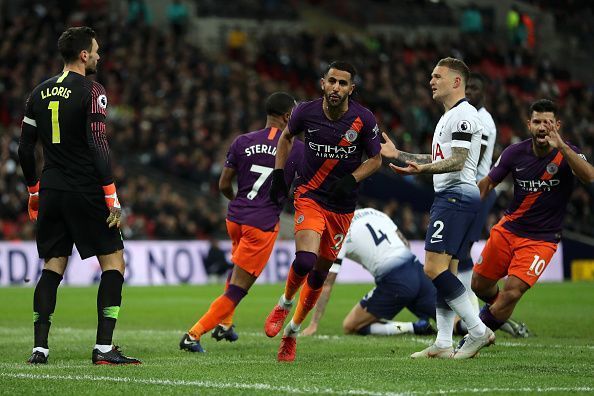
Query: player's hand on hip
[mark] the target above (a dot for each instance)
(33, 205)
(412, 169)
(113, 204)
(389, 150)
(342, 187)
(278, 188)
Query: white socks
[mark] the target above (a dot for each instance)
(466, 311)
(445, 327)
(45, 351)
(292, 329)
(391, 328)
(466, 279)
(283, 302)
(103, 348)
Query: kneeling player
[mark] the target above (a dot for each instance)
(375, 242)
(252, 218)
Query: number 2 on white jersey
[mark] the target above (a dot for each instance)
(264, 172)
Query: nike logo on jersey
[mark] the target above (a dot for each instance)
(519, 169)
(435, 240)
(309, 130)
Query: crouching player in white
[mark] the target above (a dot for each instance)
(375, 242)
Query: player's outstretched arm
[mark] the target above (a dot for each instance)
(321, 305)
(580, 167)
(455, 163)
(390, 151)
(226, 183)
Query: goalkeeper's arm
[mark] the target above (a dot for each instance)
(97, 141)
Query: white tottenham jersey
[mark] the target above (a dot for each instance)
(488, 140)
(372, 241)
(458, 127)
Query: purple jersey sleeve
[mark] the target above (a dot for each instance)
(502, 167)
(296, 121)
(370, 136)
(231, 160)
(293, 162)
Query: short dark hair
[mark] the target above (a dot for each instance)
(279, 103)
(74, 40)
(478, 77)
(344, 66)
(543, 106)
(456, 65)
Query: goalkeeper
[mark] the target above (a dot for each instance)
(75, 199)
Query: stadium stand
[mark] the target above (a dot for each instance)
(173, 108)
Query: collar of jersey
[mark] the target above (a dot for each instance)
(460, 101)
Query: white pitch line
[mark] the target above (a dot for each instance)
(285, 389)
(508, 390)
(199, 384)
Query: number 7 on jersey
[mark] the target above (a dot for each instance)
(264, 172)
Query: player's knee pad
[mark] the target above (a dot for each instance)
(304, 262)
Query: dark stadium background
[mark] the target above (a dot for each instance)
(185, 78)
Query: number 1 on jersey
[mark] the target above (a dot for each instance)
(264, 172)
(54, 106)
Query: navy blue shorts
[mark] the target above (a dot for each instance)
(451, 217)
(476, 230)
(406, 286)
(477, 227)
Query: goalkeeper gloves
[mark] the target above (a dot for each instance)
(278, 188)
(113, 204)
(33, 206)
(342, 187)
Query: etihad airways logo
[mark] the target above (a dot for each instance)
(332, 152)
(538, 185)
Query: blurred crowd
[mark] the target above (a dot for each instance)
(173, 111)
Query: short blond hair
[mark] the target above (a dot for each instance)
(457, 65)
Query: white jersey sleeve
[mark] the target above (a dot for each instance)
(488, 141)
(458, 127)
(372, 241)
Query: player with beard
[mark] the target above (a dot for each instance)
(75, 200)
(522, 244)
(338, 131)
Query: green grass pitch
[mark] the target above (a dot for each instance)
(559, 360)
